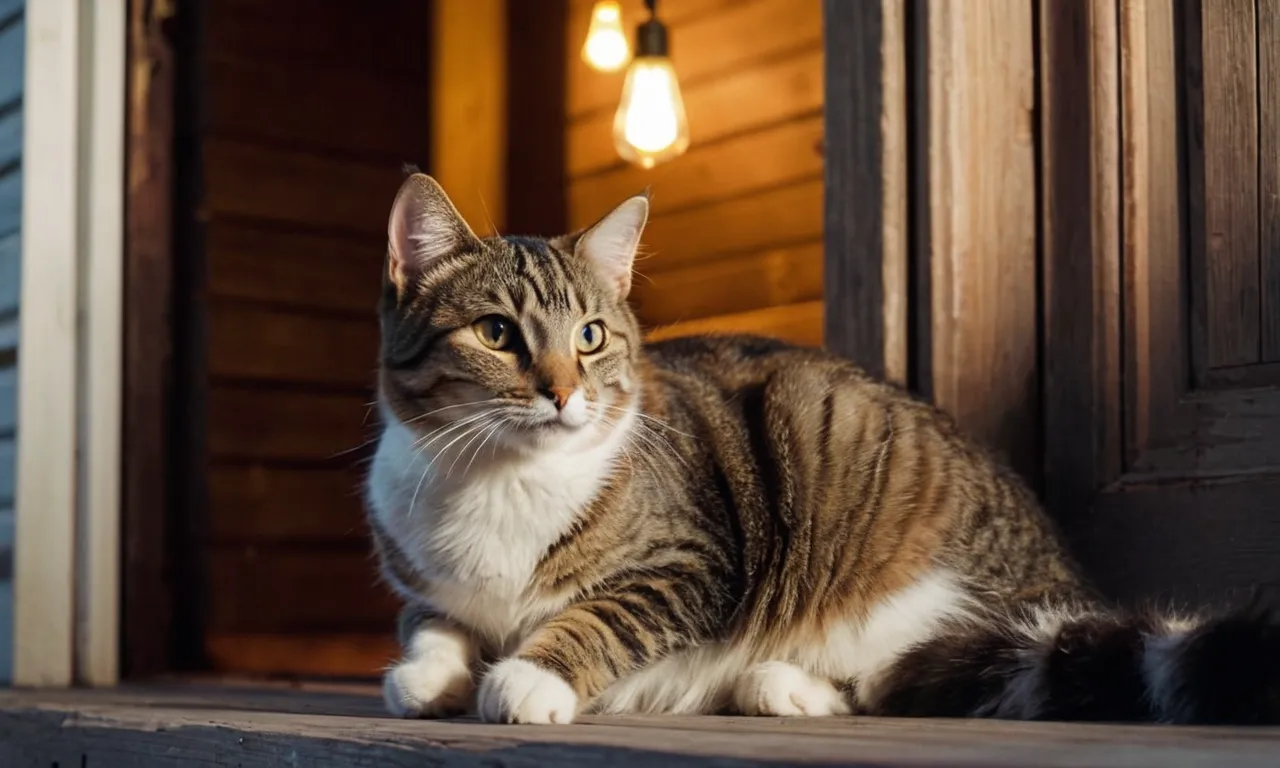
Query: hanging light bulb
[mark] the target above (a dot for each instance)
(649, 126)
(605, 49)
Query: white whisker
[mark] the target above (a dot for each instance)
(475, 435)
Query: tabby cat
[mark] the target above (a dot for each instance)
(582, 523)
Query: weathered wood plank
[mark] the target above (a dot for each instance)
(255, 424)
(980, 240)
(1269, 173)
(772, 218)
(537, 127)
(344, 726)
(1080, 250)
(264, 589)
(1174, 545)
(295, 268)
(739, 165)
(737, 283)
(703, 47)
(865, 218)
(248, 342)
(258, 182)
(734, 103)
(266, 504)
(148, 291)
(1154, 245)
(384, 40)
(1223, 211)
(355, 115)
(796, 323)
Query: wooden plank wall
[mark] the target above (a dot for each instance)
(12, 48)
(309, 113)
(735, 237)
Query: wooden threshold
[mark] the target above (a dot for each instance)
(190, 725)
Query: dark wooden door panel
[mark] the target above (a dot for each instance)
(1269, 173)
(1162, 408)
(1183, 545)
(1222, 144)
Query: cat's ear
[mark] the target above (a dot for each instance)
(610, 245)
(424, 230)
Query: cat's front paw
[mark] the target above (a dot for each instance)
(779, 689)
(433, 684)
(519, 691)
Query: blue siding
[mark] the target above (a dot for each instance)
(12, 47)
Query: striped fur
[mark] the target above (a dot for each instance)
(718, 523)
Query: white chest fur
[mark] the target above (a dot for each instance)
(477, 533)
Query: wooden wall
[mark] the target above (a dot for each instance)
(735, 236)
(12, 37)
(308, 113)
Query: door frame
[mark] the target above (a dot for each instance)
(931, 259)
(66, 554)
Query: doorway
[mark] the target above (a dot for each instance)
(291, 122)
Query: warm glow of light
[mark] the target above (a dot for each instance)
(650, 125)
(606, 47)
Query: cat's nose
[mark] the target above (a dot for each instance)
(559, 396)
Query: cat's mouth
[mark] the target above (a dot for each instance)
(558, 424)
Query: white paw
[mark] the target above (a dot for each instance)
(519, 691)
(779, 689)
(434, 681)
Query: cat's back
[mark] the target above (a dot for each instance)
(731, 367)
(740, 360)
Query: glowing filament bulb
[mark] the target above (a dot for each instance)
(606, 48)
(650, 126)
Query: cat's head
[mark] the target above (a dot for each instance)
(523, 342)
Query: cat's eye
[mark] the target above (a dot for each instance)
(592, 337)
(495, 332)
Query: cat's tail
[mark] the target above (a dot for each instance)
(1093, 665)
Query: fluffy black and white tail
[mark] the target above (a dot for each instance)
(1095, 666)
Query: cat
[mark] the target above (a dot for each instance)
(579, 522)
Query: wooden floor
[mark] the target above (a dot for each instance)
(188, 725)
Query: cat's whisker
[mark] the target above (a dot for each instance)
(474, 428)
(640, 431)
(413, 500)
(646, 417)
(492, 226)
(427, 469)
(423, 442)
(420, 445)
(493, 430)
(430, 413)
(353, 449)
(475, 435)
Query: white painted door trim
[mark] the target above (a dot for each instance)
(67, 539)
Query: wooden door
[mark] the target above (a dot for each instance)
(1161, 348)
(1060, 221)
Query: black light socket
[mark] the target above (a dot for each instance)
(651, 39)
